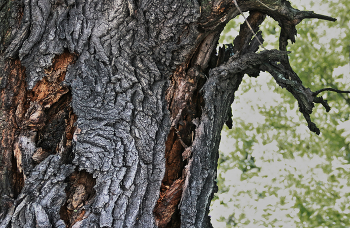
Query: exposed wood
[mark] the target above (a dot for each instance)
(112, 110)
(168, 203)
(37, 122)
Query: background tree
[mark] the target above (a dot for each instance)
(285, 175)
(112, 110)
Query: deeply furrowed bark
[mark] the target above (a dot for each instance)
(112, 110)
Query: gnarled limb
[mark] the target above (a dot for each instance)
(129, 74)
(283, 73)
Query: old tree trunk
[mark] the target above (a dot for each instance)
(111, 110)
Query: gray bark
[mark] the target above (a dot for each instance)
(121, 75)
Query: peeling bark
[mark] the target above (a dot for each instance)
(112, 110)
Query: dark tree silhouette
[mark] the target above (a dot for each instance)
(111, 110)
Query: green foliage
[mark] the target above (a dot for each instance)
(273, 172)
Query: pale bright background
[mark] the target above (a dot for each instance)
(274, 166)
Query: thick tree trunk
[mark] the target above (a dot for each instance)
(112, 110)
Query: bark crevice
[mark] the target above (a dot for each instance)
(40, 124)
(86, 90)
(80, 193)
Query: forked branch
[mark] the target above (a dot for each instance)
(268, 61)
(277, 63)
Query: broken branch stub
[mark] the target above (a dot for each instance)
(280, 68)
(102, 150)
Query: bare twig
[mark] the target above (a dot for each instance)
(310, 14)
(328, 89)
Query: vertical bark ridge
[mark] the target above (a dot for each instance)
(201, 169)
(119, 97)
(118, 85)
(97, 74)
(13, 96)
(11, 13)
(184, 105)
(93, 102)
(218, 95)
(12, 93)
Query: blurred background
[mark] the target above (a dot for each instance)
(274, 172)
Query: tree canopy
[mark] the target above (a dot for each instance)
(274, 172)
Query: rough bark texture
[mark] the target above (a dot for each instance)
(112, 110)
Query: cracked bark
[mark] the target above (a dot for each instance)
(112, 110)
